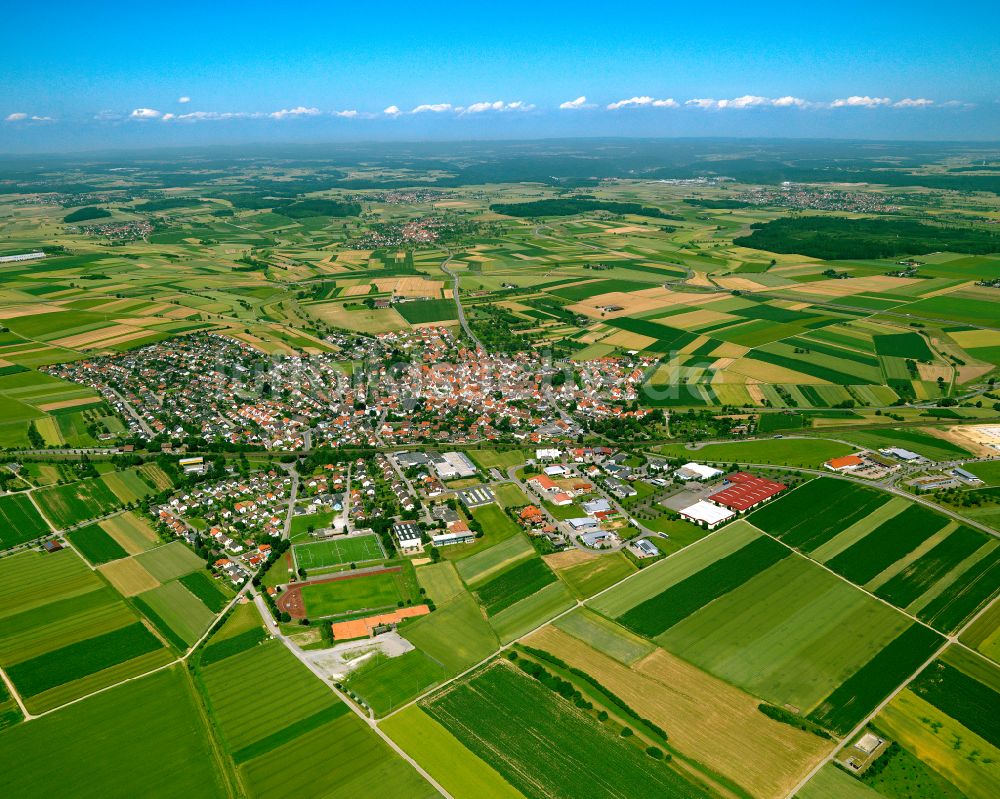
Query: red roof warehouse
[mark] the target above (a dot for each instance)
(744, 491)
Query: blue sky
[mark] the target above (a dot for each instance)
(106, 74)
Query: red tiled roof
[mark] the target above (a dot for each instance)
(744, 491)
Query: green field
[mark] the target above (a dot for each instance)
(440, 581)
(170, 561)
(455, 635)
(356, 549)
(499, 556)
(95, 544)
(654, 579)
(67, 505)
(303, 766)
(424, 311)
(513, 585)
(861, 693)
(810, 453)
(791, 634)
(387, 683)
(444, 757)
(19, 521)
(81, 659)
(661, 612)
(182, 611)
(244, 717)
(510, 495)
(524, 616)
(501, 715)
(814, 513)
(588, 578)
(361, 592)
(487, 459)
(117, 761)
(605, 636)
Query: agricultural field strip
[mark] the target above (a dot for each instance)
(580, 603)
(890, 489)
(181, 659)
(948, 641)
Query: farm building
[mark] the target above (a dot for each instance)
(697, 471)
(744, 491)
(845, 464)
(451, 465)
(554, 471)
(595, 506)
(562, 498)
(644, 548)
(706, 513)
(547, 454)
(902, 454)
(582, 523)
(25, 256)
(544, 483)
(596, 537)
(458, 533)
(408, 536)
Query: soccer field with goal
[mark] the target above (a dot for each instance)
(353, 549)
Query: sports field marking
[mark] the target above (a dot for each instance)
(354, 549)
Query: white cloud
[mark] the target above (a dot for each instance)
(292, 113)
(17, 116)
(910, 102)
(643, 101)
(789, 102)
(496, 105)
(433, 108)
(856, 101)
(573, 105)
(392, 111)
(348, 113)
(746, 101)
(41, 119)
(184, 99)
(145, 113)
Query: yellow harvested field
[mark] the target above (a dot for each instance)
(855, 285)
(630, 341)
(635, 302)
(132, 532)
(707, 719)
(181, 313)
(740, 284)
(568, 558)
(110, 342)
(729, 350)
(696, 318)
(627, 229)
(756, 393)
(69, 403)
(128, 576)
(14, 311)
(932, 371)
(92, 337)
(357, 290)
(721, 363)
(379, 321)
(691, 347)
(771, 373)
(418, 287)
(976, 338)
